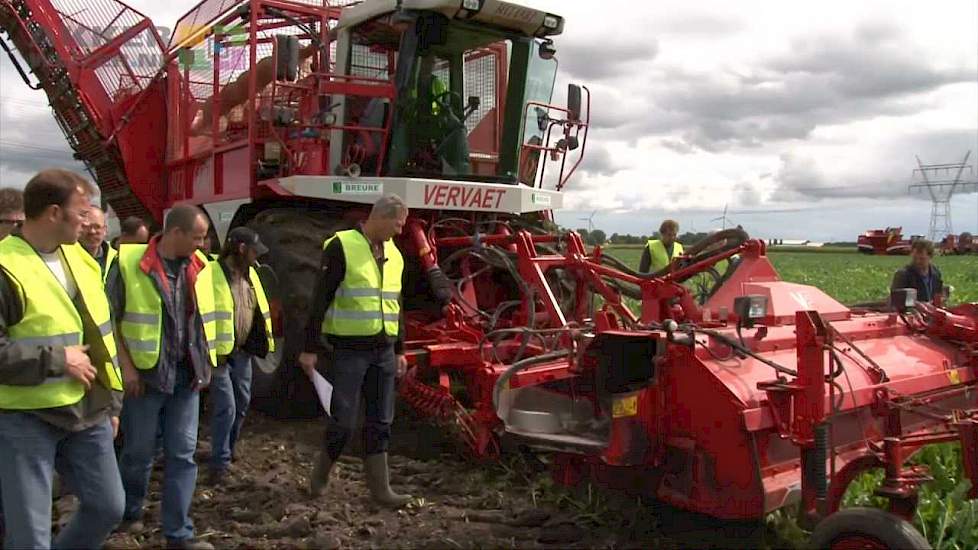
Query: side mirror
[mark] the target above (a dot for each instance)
(574, 102)
(543, 120)
(903, 299)
(547, 49)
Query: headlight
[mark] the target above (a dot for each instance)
(903, 299)
(750, 309)
(471, 5)
(551, 21)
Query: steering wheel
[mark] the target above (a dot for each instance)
(447, 100)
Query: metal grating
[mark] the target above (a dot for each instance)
(208, 11)
(480, 80)
(94, 23)
(367, 63)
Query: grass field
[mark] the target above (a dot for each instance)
(947, 519)
(849, 276)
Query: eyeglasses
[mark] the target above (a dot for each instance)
(16, 223)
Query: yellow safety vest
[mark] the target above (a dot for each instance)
(51, 319)
(224, 306)
(110, 256)
(660, 259)
(142, 322)
(365, 302)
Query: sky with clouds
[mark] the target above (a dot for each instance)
(803, 119)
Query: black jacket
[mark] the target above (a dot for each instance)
(331, 274)
(927, 287)
(257, 342)
(177, 325)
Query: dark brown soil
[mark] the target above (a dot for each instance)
(459, 504)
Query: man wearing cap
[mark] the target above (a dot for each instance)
(244, 330)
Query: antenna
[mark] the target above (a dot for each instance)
(941, 191)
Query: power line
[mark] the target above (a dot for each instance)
(941, 181)
(21, 145)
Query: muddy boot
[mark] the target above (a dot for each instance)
(320, 474)
(378, 481)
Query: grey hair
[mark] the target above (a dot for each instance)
(387, 207)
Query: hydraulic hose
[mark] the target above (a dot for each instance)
(746, 351)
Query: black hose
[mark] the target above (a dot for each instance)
(746, 351)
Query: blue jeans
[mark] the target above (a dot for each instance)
(30, 450)
(180, 411)
(368, 373)
(230, 391)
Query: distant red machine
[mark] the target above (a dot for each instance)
(881, 242)
(964, 243)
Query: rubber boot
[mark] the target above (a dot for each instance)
(319, 479)
(378, 481)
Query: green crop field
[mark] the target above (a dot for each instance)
(851, 277)
(944, 516)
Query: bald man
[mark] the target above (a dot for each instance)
(93, 239)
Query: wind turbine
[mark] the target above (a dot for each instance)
(590, 221)
(722, 218)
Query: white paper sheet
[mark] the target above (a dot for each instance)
(323, 389)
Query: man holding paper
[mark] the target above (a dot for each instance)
(356, 311)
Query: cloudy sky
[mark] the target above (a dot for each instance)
(802, 118)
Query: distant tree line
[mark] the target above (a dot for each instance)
(597, 236)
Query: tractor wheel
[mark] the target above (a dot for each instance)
(294, 237)
(866, 529)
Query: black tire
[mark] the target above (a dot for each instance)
(704, 284)
(294, 237)
(879, 528)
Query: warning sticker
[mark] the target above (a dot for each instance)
(624, 406)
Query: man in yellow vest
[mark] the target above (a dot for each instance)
(93, 239)
(244, 330)
(11, 219)
(659, 253)
(356, 311)
(60, 386)
(11, 210)
(163, 297)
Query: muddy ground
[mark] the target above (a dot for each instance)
(459, 504)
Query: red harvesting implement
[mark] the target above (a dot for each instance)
(887, 241)
(292, 117)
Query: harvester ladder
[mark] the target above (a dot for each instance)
(101, 157)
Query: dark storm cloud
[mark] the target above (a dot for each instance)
(30, 139)
(802, 178)
(822, 80)
(592, 60)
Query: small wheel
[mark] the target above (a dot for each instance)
(704, 284)
(866, 529)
